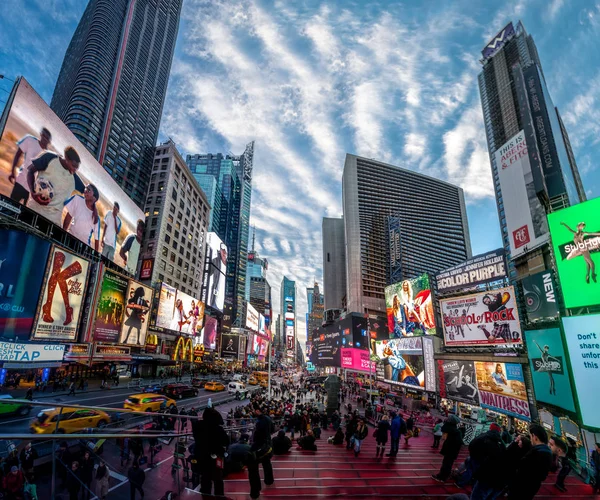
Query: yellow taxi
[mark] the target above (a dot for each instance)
(252, 381)
(214, 386)
(148, 402)
(70, 421)
(264, 383)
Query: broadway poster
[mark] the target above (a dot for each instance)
(548, 368)
(135, 323)
(111, 306)
(62, 297)
(486, 318)
(502, 388)
(460, 381)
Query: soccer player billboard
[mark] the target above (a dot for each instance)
(409, 306)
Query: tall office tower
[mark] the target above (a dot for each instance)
(334, 263)
(315, 309)
(112, 84)
(434, 232)
(531, 158)
(288, 316)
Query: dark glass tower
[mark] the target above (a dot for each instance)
(112, 84)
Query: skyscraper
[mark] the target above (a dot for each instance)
(434, 232)
(112, 84)
(334, 263)
(288, 316)
(315, 309)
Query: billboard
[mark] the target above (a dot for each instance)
(290, 341)
(402, 361)
(10, 351)
(146, 269)
(429, 362)
(485, 318)
(576, 241)
(395, 248)
(460, 381)
(483, 268)
(52, 187)
(22, 264)
(409, 306)
(357, 359)
(230, 345)
(502, 388)
(209, 333)
(582, 334)
(178, 311)
(215, 271)
(62, 296)
(252, 320)
(111, 307)
(135, 322)
(541, 302)
(498, 41)
(548, 368)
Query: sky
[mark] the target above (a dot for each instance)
(311, 81)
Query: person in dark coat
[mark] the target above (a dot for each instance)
(395, 428)
(489, 452)
(86, 474)
(351, 424)
(238, 455)
(450, 448)
(28, 456)
(262, 448)
(533, 467)
(381, 435)
(136, 479)
(281, 443)
(307, 442)
(514, 453)
(73, 481)
(596, 461)
(338, 438)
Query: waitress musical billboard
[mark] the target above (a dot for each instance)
(502, 388)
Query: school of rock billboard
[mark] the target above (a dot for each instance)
(502, 388)
(409, 307)
(481, 269)
(485, 318)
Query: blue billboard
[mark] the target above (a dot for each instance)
(22, 265)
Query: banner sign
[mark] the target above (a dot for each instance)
(541, 302)
(502, 388)
(429, 363)
(460, 381)
(135, 324)
(111, 306)
(357, 359)
(11, 351)
(485, 318)
(484, 268)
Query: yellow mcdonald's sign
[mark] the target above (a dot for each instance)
(184, 350)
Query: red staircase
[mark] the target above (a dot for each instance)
(334, 472)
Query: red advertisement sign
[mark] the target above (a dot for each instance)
(357, 359)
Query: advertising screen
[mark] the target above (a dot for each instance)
(402, 361)
(22, 265)
(62, 296)
(429, 362)
(290, 342)
(59, 195)
(178, 311)
(539, 292)
(409, 306)
(460, 381)
(216, 256)
(486, 318)
(502, 388)
(548, 368)
(576, 241)
(483, 268)
(357, 359)
(111, 306)
(135, 321)
(209, 333)
(230, 345)
(582, 334)
(252, 321)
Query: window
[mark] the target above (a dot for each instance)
(172, 257)
(328, 260)
(152, 234)
(156, 211)
(154, 221)
(178, 274)
(176, 233)
(165, 251)
(169, 282)
(151, 246)
(161, 277)
(174, 245)
(163, 264)
(161, 186)
(169, 228)
(167, 238)
(170, 218)
(177, 225)
(174, 194)
(179, 261)
(171, 270)
(172, 209)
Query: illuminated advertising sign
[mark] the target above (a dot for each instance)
(395, 247)
(498, 41)
(576, 241)
(485, 318)
(11, 351)
(583, 342)
(252, 321)
(230, 345)
(460, 381)
(209, 333)
(51, 190)
(484, 268)
(429, 361)
(290, 341)
(357, 359)
(502, 388)
(146, 269)
(135, 323)
(541, 302)
(402, 361)
(548, 368)
(215, 272)
(409, 306)
(22, 265)
(178, 311)
(111, 307)
(62, 297)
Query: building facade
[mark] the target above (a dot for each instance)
(113, 81)
(434, 231)
(334, 263)
(314, 317)
(288, 317)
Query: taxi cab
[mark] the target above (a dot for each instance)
(264, 383)
(70, 421)
(252, 381)
(214, 386)
(148, 402)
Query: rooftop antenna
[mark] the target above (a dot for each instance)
(253, 236)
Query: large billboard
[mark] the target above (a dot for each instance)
(22, 264)
(111, 307)
(541, 301)
(576, 241)
(548, 368)
(230, 345)
(395, 248)
(402, 361)
(409, 306)
(252, 320)
(290, 340)
(498, 41)
(137, 308)
(502, 388)
(525, 217)
(460, 381)
(215, 271)
(485, 318)
(63, 293)
(36, 170)
(178, 311)
(483, 268)
(209, 333)
(357, 359)
(582, 334)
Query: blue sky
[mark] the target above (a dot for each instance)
(310, 81)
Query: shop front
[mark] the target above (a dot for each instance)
(28, 363)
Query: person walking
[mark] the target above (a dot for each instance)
(71, 389)
(102, 480)
(395, 433)
(28, 456)
(381, 435)
(450, 448)
(13, 484)
(86, 474)
(262, 449)
(361, 432)
(410, 427)
(136, 480)
(489, 452)
(561, 451)
(73, 481)
(596, 469)
(351, 424)
(437, 433)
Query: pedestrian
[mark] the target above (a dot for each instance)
(381, 435)
(136, 480)
(506, 436)
(450, 448)
(560, 450)
(489, 452)
(71, 389)
(410, 426)
(28, 457)
(595, 461)
(361, 432)
(281, 443)
(437, 433)
(238, 455)
(124, 451)
(13, 484)
(73, 481)
(86, 474)
(29, 394)
(307, 442)
(102, 480)
(395, 432)
(351, 424)
(262, 450)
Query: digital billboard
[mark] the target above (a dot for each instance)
(135, 320)
(215, 272)
(357, 359)
(111, 307)
(409, 306)
(583, 343)
(290, 340)
(36, 170)
(541, 303)
(230, 345)
(460, 381)
(178, 311)
(548, 368)
(209, 333)
(576, 241)
(402, 361)
(485, 318)
(483, 268)
(62, 296)
(252, 320)
(22, 265)
(502, 388)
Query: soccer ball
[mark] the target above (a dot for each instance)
(44, 189)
